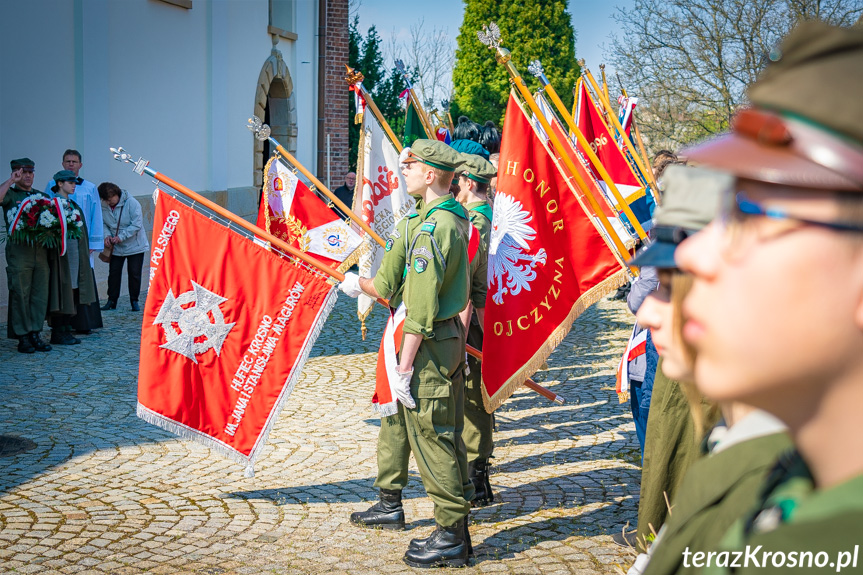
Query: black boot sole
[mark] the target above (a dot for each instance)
(398, 526)
(439, 563)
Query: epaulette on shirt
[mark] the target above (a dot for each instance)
(428, 226)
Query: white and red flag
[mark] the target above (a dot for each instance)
(294, 213)
(227, 327)
(589, 121)
(547, 261)
(384, 199)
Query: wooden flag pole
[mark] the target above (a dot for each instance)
(536, 69)
(648, 174)
(503, 56)
(142, 167)
(355, 78)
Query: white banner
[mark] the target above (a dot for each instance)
(384, 199)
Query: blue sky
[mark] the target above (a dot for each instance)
(393, 18)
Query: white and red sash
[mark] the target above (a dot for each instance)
(384, 401)
(472, 244)
(637, 346)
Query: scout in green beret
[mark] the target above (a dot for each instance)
(432, 351)
(26, 265)
(711, 487)
(776, 308)
(474, 175)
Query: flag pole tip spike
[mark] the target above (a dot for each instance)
(559, 400)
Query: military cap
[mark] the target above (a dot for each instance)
(477, 168)
(470, 147)
(805, 128)
(691, 200)
(22, 163)
(65, 176)
(435, 154)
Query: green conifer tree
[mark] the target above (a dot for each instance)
(534, 29)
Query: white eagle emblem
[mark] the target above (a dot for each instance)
(508, 260)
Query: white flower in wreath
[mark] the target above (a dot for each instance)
(47, 220)
(10, 217)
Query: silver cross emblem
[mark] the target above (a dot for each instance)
(185, 326)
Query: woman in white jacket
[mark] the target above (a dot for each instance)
(123, 221)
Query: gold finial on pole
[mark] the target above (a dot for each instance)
(355, 79)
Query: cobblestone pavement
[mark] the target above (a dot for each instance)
(93, 489)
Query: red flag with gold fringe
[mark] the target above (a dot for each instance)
(227, 327)
(547, 261)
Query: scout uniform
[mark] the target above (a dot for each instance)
(393, 445)
(436, 291)
(27, 275)
(69, 273)
(478, 423)
(804, 131)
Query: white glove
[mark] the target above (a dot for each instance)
(402, 388)
(351, 285)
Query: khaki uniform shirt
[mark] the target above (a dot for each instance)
(389, 280)
(480, 217)
(438, 284)
(796, 527)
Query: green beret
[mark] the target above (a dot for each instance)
(816, 74)
(477, 168)
(435, 154)
(22, 163)
(65, 176)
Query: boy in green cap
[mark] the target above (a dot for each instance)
(432, 351)
(26, 264)
(475, 174)
(776, 308)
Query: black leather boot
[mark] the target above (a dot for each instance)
(478, 473)
(446, 547)
(386, 513)
(111, 304)
(37, 342)
(418, 543)
(24, 345)
(135, 306)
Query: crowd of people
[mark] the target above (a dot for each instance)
(56, 280)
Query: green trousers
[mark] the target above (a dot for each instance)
(478, 423)
(27, 275)
(432, 431)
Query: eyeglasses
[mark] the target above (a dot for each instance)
(746, 222)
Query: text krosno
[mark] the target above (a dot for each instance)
(755, 557)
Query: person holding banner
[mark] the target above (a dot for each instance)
(432, 351)
(475, 174)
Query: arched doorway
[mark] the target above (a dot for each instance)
(275, 104)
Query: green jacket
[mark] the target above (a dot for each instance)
(480, 217)
(390, 278)
(716, 491)
(796, 527)
(60, 281)
(438, 284)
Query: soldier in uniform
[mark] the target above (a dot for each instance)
(776, 308)
(432, 351)
(26, 265)
(473, 181)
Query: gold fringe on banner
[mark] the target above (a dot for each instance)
(586, 300)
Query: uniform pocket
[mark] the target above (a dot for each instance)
(447, 330)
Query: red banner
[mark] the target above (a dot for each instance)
(227, 327)
(547, 262)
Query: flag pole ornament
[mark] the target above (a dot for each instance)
(646, 172)
(490, 36)
(224, 337)
(262, 133)
(535, 68)
(355, 78)
(604, 82)
(424, 120)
